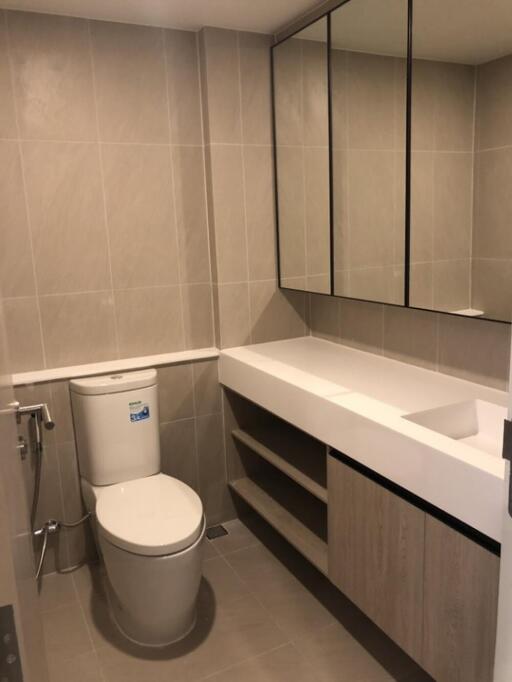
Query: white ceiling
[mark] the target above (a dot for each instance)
(261, 16)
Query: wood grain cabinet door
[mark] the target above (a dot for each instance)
(376, 553)
(460, 606)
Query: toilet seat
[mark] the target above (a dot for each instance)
(153, 516)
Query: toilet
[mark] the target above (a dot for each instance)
(149, 527)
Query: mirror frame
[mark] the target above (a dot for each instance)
(407, 175)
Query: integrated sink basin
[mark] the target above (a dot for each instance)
(475, 422)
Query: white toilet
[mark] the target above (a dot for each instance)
(149, 526)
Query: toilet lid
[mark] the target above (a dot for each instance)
(151, 516)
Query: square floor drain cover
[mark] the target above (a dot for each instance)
(215, 532)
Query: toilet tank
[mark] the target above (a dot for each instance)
(116, 426)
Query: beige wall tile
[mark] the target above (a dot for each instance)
(189, 191)
(422, 285)
(339, 85)
(316, 190)
(371, 101)
(340, 211)
(422, 207)
(259, 209)
(212, 468)
(493, 204)
(494, 103)
(361, 325)
(453, 205)
(7, 113)
(16, 269)
(371, 284)
(183, 86)
(23, 334)
(255, 87)
(314, 90)
(319, 284)
(292, 211)
(288, 92)
(474, 350)
(228, 207)
(233, 314)
(178, 451)
(207, 391)
(455, 85)
(130, 82)
(410, 336)
(491, 284)
(220, 54)
(175, 393)
(197, 313)
(452, 285)
(149, 321)
(325, 317)
(275, 314)
(424, 87)
(141, 225)
(371, 207)
(61, 406)
(52, 76)
(78, 328)
(66, 214)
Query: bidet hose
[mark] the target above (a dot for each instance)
(43, 553)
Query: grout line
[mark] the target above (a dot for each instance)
(24, 185)
(103, 188)
(246, 660)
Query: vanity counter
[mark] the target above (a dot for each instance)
(356, 402)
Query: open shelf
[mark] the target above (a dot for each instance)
(298, 456)
(260, 497)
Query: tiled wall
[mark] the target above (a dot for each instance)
(248, 305)
(102, 191)
(492, 234)
(192, 447)
(470, 349)
(300, 81)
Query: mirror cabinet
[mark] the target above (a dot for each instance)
(393, 155)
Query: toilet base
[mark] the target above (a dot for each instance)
(146, 644)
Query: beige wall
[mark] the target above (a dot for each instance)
(102, 191)
(492, 234)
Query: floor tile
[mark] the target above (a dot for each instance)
(280, 665)
(65, 633)
(84, 668)
(220, 583)
(239, 536)
(229, 636)
(56, 589)
(209, 550)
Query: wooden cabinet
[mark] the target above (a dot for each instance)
(460, 606)
(375, 550)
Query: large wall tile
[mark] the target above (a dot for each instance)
(16, 269)
(255, 87)
(316, 191)
(455, 92)
(494, 104)
(491, 284)
(175, 393)
(453, 205)
(339, 85)
(474, 350)
(452, 284)
(424, 86)
(7, 112)
(212, 468)
(78, 328)
(234, 322)
(288, 92)
(410, 336)
(191, 214)
(207, 390)
(52, 76)
(183, 86)
(228, 206)
(222, 79)
(314, 89)
(141, 225)
(259, 209)
(149, 321)
(361, 325)
(67, 218)
(275, 314)
(292, 211)
(325, 317)
(197, 314)
(422, 205)
(178, 451)
(422, 285)
(23, 334)
(493, 204)
(130, 82)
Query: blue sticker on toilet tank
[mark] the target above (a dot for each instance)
(139, 411)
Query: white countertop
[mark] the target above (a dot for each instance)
(355, 402)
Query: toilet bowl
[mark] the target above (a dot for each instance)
(148, 528)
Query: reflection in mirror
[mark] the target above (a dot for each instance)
(302, 159)
(369, 76)
(461, 173)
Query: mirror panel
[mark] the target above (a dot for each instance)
(302, 159)
(461, 163)
(369, 86)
